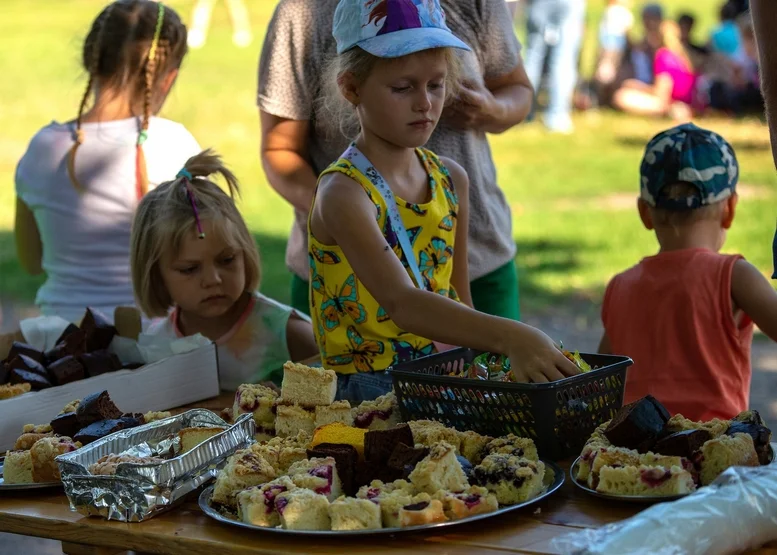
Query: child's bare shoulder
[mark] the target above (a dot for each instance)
(338, 187)
(458, 174)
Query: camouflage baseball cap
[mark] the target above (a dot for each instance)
(688, 154)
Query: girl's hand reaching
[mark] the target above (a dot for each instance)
(534, 358)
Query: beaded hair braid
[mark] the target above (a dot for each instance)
(135, 68)
(141, 171)
(93, 69)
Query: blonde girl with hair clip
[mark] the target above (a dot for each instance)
(192, 252)
(79, 182)
(388, 226)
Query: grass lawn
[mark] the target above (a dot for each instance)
(572, 197)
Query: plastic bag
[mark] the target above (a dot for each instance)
(42, 332)
(737, 512)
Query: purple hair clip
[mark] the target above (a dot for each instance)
(187, 178)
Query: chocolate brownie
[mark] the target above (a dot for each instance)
(74, 345)
(99, 331)
(99, 362)
(66, 424)
(4, 370)
(36, 381)
(682, 444)
(96, 407)
(98, 430)
(405, 458)
(761, 437)
(19, 348)
(66, 370)
(23, 362)
(346, 458)
(69, 330)
(380, 444)
(638, 425)
(132, 420)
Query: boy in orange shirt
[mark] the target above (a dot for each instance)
(685, 316)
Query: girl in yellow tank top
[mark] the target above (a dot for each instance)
(371, 306)
(354, 332)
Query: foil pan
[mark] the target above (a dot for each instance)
(140, 491)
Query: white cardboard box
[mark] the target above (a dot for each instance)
(169, 383)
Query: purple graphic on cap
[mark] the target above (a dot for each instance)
(398, 14)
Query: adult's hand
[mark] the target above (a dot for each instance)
(473, 108)
(493, 106)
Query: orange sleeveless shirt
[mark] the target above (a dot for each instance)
(673, 315)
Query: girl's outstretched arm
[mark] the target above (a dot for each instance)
(344, 214)
(29, 249)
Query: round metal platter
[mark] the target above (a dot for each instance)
(554, 479)
(645, 499)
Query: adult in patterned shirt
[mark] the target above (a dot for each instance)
(299, 142)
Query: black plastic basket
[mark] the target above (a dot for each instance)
(558, 416)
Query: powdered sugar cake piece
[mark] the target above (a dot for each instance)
(474, 500)
(243, 470)
(716, 426)
(192, 437)
(349, 513)
(376, 489)
(319, 475)
(291, 419)
(723, 452)
(14, 390)
(391, 504)
(421, 510)
(258, 400)
(280, 455)
(17, 468)
(440, 470)
(44, 467)
(308, 386)
(339, 411)
(303, 509)
(256, 505)
(513, 445)
(473, 446)
(648, 481)
(512, 479)
(610, 456)
(430, 432)
(380, 414)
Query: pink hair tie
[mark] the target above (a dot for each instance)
(187, 178)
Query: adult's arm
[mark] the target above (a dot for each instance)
(285, 99)
(29, 249)
(284, 150)
(764, 14)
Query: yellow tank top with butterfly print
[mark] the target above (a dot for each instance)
(354, 333)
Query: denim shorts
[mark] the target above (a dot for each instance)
(612, 41)
(364, 386)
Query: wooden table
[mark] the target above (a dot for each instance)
(187, 531)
